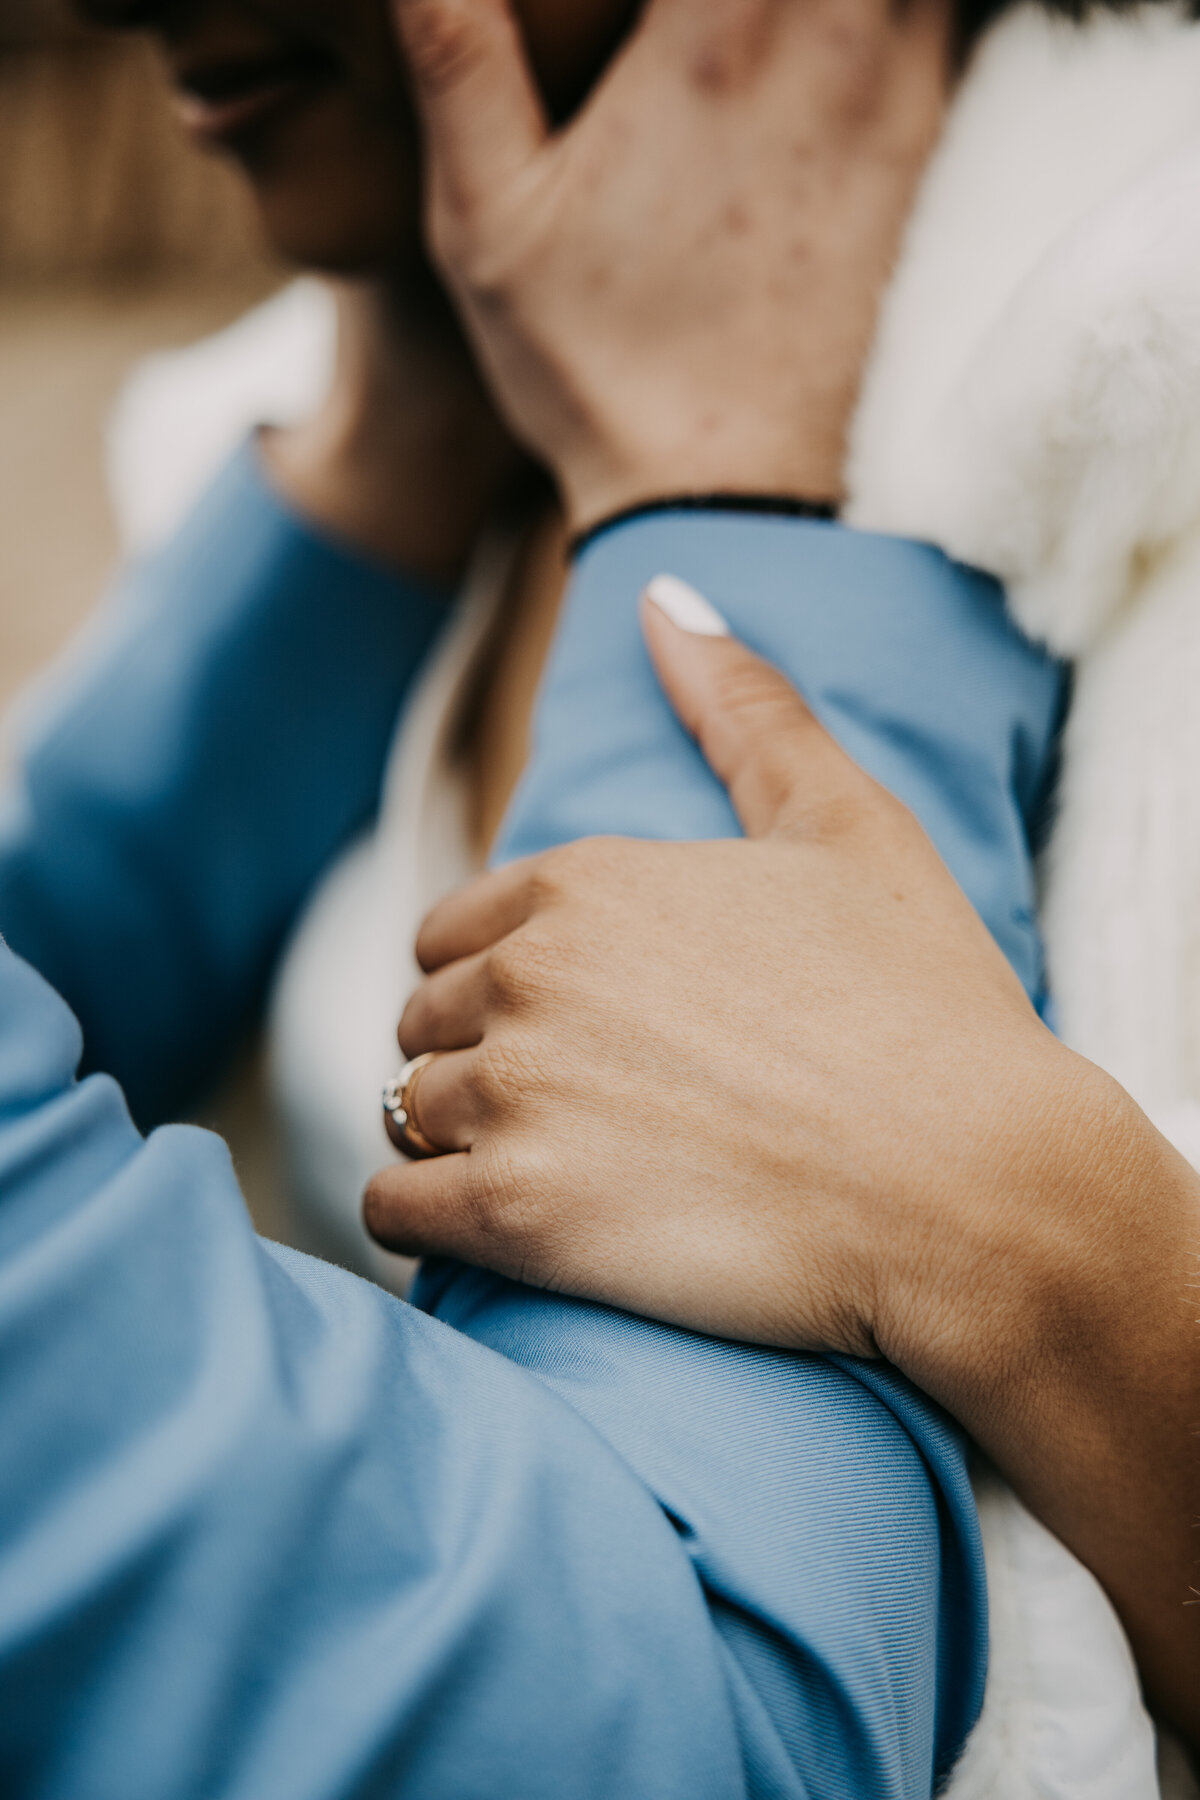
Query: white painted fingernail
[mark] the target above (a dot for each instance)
(685, 607)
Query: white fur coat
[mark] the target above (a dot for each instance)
(1033, 407)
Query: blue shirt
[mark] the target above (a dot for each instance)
(265, 1531)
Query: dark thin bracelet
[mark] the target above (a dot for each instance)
(779, 506)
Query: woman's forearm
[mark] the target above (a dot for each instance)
(1075, 1363)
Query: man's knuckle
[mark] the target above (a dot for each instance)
(468, 241)
(450, 230)
(732, 51)
(442, 42)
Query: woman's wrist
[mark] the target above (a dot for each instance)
(1065, 1340)
(1046, 1267)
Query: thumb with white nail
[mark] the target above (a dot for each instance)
(759, 737)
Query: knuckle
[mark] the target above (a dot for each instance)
(448, 231)
(825, 818)
(776, 778)
(483, 264)
(547, 881)
(759, 694)
(468, 241)
(519, 971)
(580, 870)
(501, 1077)
(732, 50)
(503, 1208)
(507, 974)
(442, 41)
(578, 864)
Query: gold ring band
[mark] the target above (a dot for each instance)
(398, 1105)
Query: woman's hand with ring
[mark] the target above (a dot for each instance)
(788, 1089)
(677, 291)
(725, 1083)
(400, 1110)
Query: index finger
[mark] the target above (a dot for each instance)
(484, 119)
(477, 916)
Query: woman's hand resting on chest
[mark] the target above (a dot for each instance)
(644, 288)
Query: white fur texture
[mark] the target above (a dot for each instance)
(1000, 319)
(1054, 1727)
(1033, 407)
(183, 413)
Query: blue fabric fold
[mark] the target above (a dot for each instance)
(221, 741)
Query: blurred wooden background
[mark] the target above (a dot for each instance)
(95, 178)
(116, 238)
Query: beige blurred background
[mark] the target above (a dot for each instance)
(116, 238)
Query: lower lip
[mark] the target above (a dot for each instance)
(225, 121)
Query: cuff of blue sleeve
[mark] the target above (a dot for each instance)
(910, 659)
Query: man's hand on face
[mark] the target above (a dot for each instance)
(677, 292)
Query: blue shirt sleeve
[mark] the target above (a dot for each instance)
(265, 1531)
(909, 659)
(268, 1534)
(826, 1506)
(225, 736)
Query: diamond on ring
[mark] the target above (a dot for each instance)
(398, 1110)
(393, 1103)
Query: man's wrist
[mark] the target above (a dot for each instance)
(765, 505)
